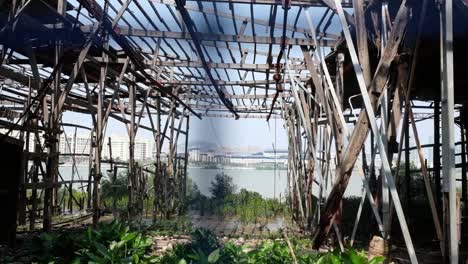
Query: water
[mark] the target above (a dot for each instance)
(261, 181)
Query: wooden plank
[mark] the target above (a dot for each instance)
(361, 36)
(45, 185)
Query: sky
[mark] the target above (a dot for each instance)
(243, 132)
(226, 132)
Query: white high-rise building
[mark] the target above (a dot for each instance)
(121, 148)
(81, 146)
(194, 154)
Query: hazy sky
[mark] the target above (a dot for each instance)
(220, 131)
(242, 132)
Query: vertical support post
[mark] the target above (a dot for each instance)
(362, 47)
(99, 128)
(157, 174)
(113, 169)
(131, 159)
(51, 177)
(448, 124)
(70, 200)
(373, 180)
(90, 169)
(463, 158)
(436, 152)
(99, 138)
(35, 179)
(384, 130)
(407, 162)
(339, 77)
(171, 163)
(24, 178)
(187, 126)
(385, 191)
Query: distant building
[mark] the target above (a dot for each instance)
(249, 160)
(203, 157)
(278, 153)
(120, 147)
(222, 159)
(194, 154)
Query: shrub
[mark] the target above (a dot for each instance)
(109, 243)
(205, 249)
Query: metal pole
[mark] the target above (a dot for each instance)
(70, 200)
(436, 152)
(187, 126)
(407, 162)
(448, 124)
(131, 158)
(463, 158)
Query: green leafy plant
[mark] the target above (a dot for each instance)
(170, 227)
(232, 253)
(204, 249)
(109, 243)
(268, 252)
(350, 256)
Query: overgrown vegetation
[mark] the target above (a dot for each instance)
(206, 249)
(248, 206)
(109, 243)
(116, 242)
(171, 227)
(115, 191)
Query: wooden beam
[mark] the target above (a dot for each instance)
(227, 83)
(247, 19)
(234, 96)
(303, 3)
(211, 38)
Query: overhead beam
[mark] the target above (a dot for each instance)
(244, 116)
(237, 108)
(206, 37)
(96, 11)
(226, 83)
(209, 65)
(234, 66)
(197, 42)
(303, 3)
(248, 19)
(234, 96)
